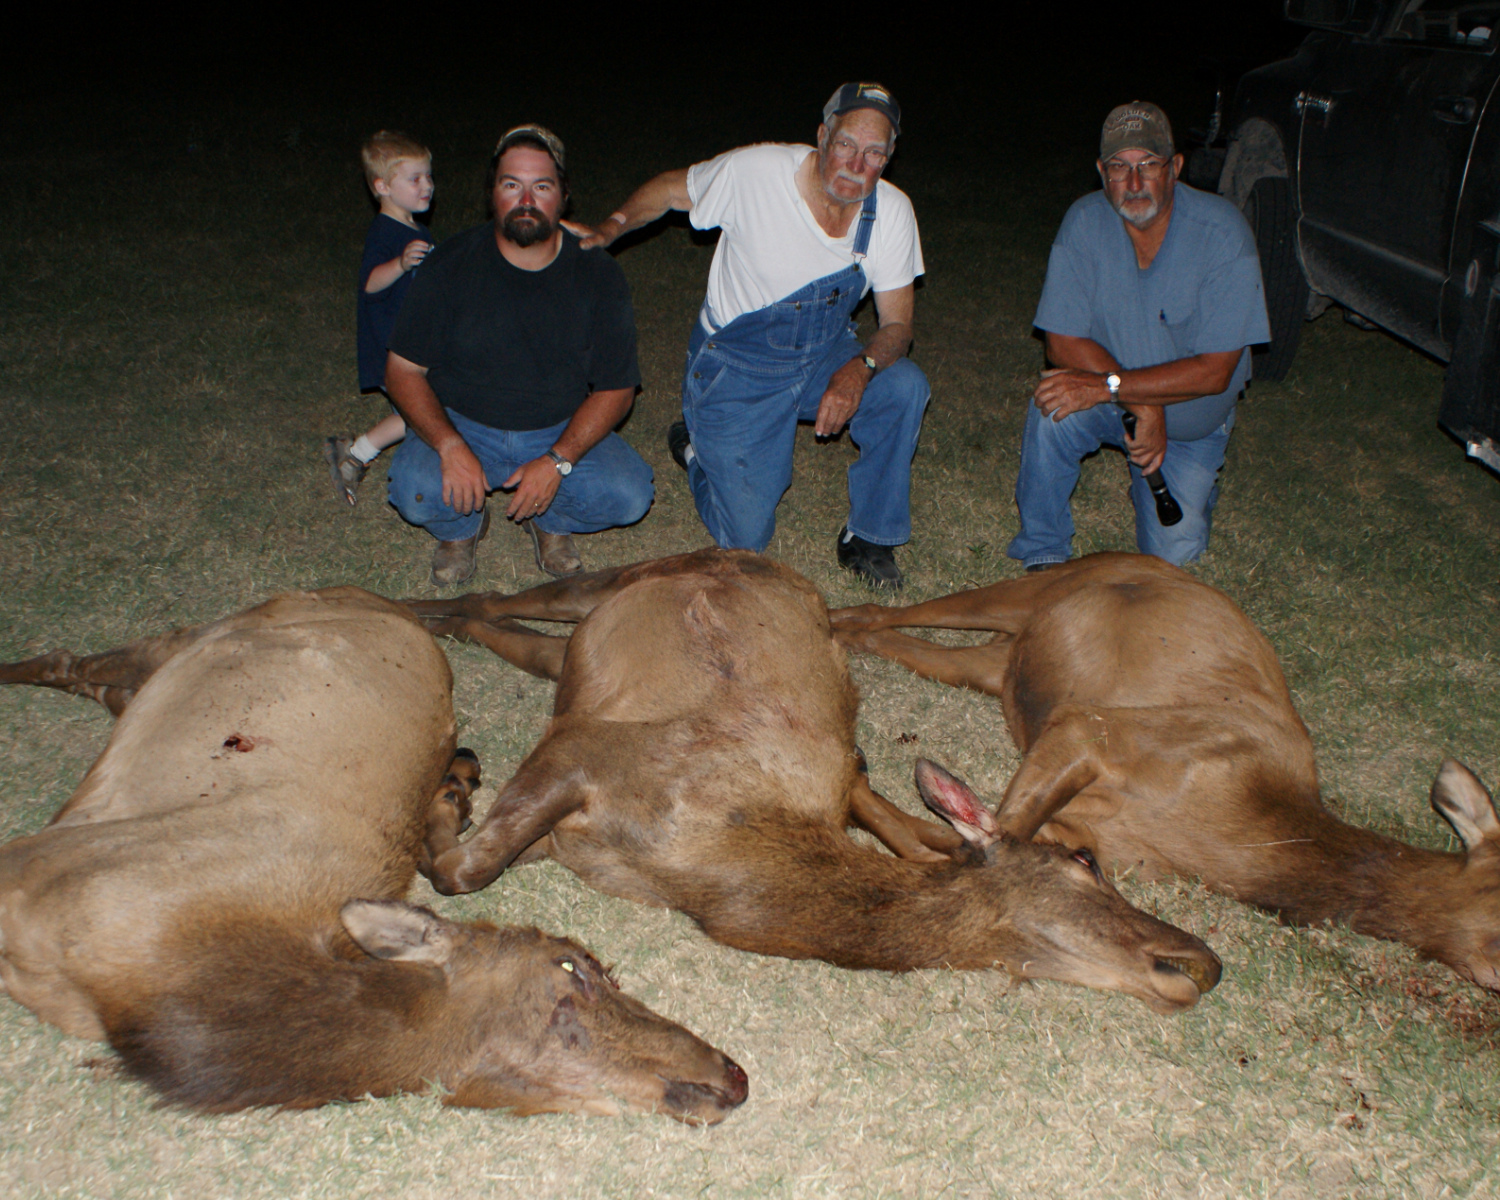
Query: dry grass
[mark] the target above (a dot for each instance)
(167, 383)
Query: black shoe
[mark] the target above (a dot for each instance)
(876, 565)
(678, 441)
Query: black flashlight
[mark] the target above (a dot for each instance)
(1168, 511)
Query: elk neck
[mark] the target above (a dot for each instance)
(799, 889)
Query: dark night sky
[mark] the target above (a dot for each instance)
(1048, 61)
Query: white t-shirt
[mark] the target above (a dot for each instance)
(772, 246)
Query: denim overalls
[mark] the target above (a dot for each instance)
(748, 384)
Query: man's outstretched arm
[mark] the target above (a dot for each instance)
(653, 199)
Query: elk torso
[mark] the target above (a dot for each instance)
(702, 757)
(1159, 733)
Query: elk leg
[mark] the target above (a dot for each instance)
(112, 677)
(1003, 607)
(1066, 757)
(546, 789)
(539, 654)
(448, 815)
(569, 599)
(980, 667)
(904, 835)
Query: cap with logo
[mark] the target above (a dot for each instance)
(1136, 126)
(864, 95)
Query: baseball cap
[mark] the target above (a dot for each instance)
(539, 133)
(1136, 126)
(864, 95)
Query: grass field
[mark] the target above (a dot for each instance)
(177, 339)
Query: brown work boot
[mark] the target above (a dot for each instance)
(453, 562)
(555, 552)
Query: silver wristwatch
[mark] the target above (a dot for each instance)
(564, 467)
(1112, 382)
(872, 364)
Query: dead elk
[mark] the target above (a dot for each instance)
(701, 757)
(1158, 733)
(192, 902)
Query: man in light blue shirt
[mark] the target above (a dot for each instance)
(1152, 300)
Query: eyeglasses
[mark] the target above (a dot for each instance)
(1151, 170)
(846, 151)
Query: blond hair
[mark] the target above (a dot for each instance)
(383, 152)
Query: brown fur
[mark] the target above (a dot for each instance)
(701, 756)
(192, 901)
(1158, 733)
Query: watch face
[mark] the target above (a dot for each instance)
(564, 467)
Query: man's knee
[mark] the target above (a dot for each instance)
(901, 387)
(415, 489)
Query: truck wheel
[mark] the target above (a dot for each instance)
(1274, 221)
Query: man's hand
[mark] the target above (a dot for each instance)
(464, 482)
(1149, 446)
(1067, 390)
(536, 482)
(595, 236)
(842, 398)
(414, 253)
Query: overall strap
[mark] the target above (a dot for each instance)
(866, 225)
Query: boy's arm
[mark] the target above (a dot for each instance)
(388, 272)
(464, 481)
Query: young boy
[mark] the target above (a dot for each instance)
(399, 172)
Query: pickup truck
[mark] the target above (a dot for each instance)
(1368, 164)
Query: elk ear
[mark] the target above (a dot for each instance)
(1462, 801)
(401, 932)
(954, 800)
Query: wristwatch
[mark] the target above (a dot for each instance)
(1112, 382)
(872, 364)
(564, 467)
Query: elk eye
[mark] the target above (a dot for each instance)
(1087, 859)
(567, 966)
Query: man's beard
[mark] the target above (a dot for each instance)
(1139, 217)
(526, 226)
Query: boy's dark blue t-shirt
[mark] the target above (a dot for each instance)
(386, 239)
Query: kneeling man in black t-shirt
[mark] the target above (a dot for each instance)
(512, 361)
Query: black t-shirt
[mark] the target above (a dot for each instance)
(377, 310)
(516, 349)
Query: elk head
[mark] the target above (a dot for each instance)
(544, 1027)
(1470, 943)
(1062, 919)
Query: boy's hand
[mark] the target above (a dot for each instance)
(414, 253)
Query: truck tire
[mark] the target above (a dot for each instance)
(1273, 219)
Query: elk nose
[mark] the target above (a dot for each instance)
(1204, 970)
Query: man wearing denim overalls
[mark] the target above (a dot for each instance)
(806, 233)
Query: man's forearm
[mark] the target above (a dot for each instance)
(593, 421)
(647, 203)
(406, 384)
(1167, 383)
(890, 343)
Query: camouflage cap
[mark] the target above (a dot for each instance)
(534, 133)
(1136, 126)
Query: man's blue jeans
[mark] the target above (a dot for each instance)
(1050, 455)
(610, 485)
(742, 411)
